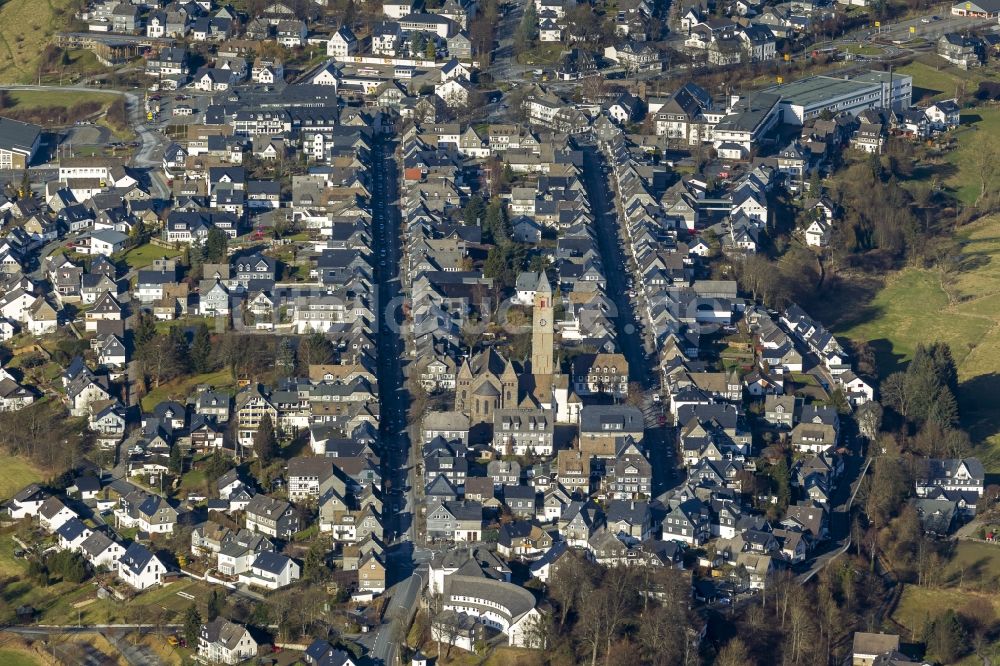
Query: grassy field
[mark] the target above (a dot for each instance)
(960, 308)
(934, 78)
(67, 603)
(864, 49)
(34, 99)
(963, 181)
(919, 604)
(972, 572)
(911, 309)
(144, 255)
(975, 566)
(181, 389)
(543, 54)
(17, 658)
(16, 473)
(26, 27)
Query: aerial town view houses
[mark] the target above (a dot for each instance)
(533, 332)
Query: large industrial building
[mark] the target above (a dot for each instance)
(807, 98)
(18, 143)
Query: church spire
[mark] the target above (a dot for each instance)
(542, 335)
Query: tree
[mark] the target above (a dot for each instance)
(474, 211)
(734, 653)
(144, 329)
(201, 350)
(571, 581)
(192, 624)
(196, 260)
(265, 442)
(216, 246)
(418, 43)
(163, 358)
(496, 226)
(605, 610)
(986, 160)
(946, 638)
(314, 567)
(216, 602)
(315, 349)
(527, 30)
(979, 615)
(284, 361)
(869, 416)
(176, 461)
(217, 465)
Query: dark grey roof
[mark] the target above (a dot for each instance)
(270, 562)
(136, 557)
(18, 136)
(72, 529)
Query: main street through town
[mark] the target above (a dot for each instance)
(642, 367)
(393, 403)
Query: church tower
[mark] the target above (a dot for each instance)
(542, 337)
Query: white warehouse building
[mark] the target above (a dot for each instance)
(807, 98)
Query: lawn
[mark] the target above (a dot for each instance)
(864, 49)
(181, 389)
(933, 78)
(34, 99)
(10, 565)
(543, 54)
(144, 255)
(26, 27)
(81, 63)
(972, 572)
(17, 658)
(911, 309)
(16, 473)
(918, 604)
(961, 308)
(977, 123)
(975, 566)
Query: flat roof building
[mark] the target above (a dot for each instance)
(807, 98)
(18, 143)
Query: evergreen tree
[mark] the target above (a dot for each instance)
(201, 349)
(314, 567)
(946, 638)
(178, 346)
(216, 602)
(176, 461)
(144, 330)
(196, 259)
(192, 624)
(217, 465)
(265, 443)
(496, 226)
(418, 42)
(527, 30)
(216, 246)
(474, 210)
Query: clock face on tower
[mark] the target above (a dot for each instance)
(541, 322)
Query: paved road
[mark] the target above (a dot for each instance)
(383, 646)
(393, 403)
(642, 366)
(504, 66)
(150, 152)
(840, 517)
